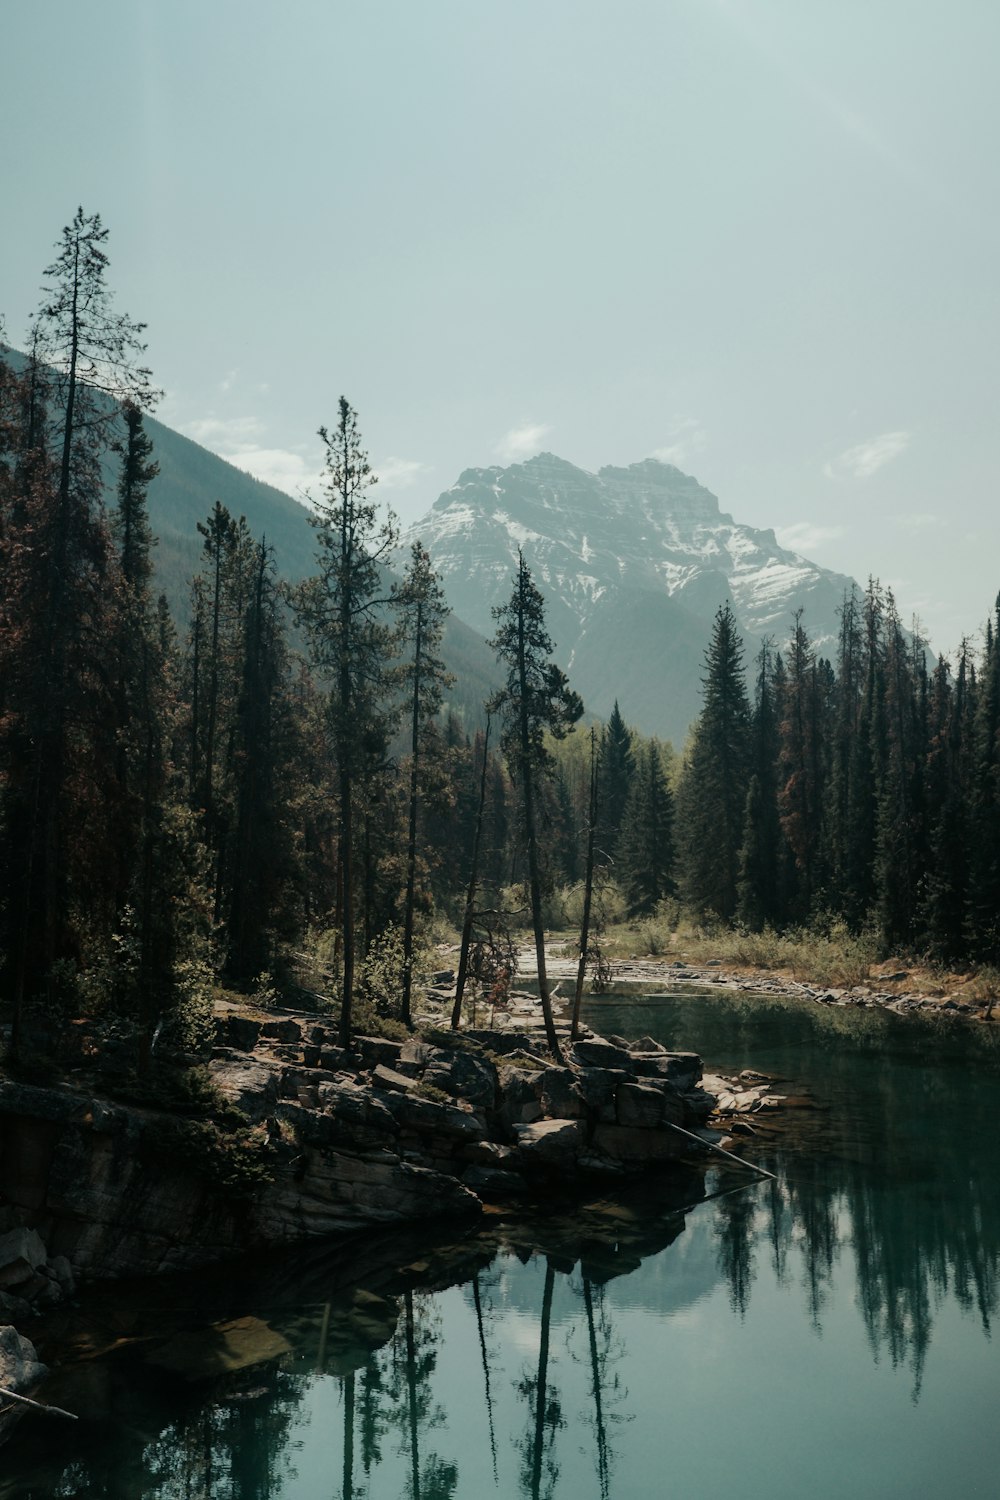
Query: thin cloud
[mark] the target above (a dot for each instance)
(239, 440)
(521, 442)
(864, 460)
(686, 437)
(400, 473)
(279, 467)
(806, 536)
(212, 431)
(917, 521)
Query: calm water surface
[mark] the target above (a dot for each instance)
(825, 1336)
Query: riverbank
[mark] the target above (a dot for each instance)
(888, 988)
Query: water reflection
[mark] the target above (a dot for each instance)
(555, 1354)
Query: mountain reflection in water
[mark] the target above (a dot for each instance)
(826, 1333)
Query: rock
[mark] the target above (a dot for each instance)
(598, 1086)
(221, 1349)
(20, 1367)
(450, 1124)
(373, 1050)
(520, 1097)
(463, 1075)
(282, 1031)
(596, 1053)
(561, 1096)
(640, 1105)
(629, 1144)
(696, 1106)
(486, 1153)
(493, 1182)
(239, 1032)
(63, 1272)
(682, 1068)
(646, 1044)
(251, 1086)
(14, 1307)
(550, 1144)
(414, 1056)
(21, 1254)
(388, 1078)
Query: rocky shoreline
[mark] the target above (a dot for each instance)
(712, 975)
(437, 1127)
(389, 1132)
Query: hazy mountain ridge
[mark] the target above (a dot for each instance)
(633, 563)
(189, 482)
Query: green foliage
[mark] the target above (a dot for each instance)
(237, 1163)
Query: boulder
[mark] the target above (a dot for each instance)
(646, 1044)
(550, 1144)
(463, 1075)
(20, 1367)
(626, 1143)
(388, 1078)
(425, 1117)
(598, 1086)
(682, 1068)
(240, 1032)
(520, 1096)
(561, 1096)
(414, 1056)
(376, 1049)
(595, 1053)
(493, 1182)
(639, 1105)
(282, 1031)
(251, 1086)
(486, 1154)
(21, 1255)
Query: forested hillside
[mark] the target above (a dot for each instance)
(188, 801)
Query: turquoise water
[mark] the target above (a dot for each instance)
(826, 1336)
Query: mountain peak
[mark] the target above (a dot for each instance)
(631, 561)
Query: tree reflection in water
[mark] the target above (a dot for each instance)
(890, 1190)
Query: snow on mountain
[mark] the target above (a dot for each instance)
(633, 564)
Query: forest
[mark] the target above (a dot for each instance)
(268, 792)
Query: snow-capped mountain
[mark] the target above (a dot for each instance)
(633, 564)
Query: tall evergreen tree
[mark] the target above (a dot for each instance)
(713, 790)
(617, 771)
(761, 847)
(60, 598)
(422, 609)
(342, 610)
(646, 842)
(535, 700)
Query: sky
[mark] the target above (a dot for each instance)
(759, 239)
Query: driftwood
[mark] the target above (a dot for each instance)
(711, 1146)
(50, 1411)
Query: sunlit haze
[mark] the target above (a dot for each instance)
(758, 240)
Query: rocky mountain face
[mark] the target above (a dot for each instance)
(633, 564)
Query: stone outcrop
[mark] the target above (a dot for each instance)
(20, 1372)
(392, 1132)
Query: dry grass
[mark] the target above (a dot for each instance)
(831, 955)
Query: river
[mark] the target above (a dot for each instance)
(826, 1335)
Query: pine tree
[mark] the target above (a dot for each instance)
(761, 847)
(713, 790)
(617, 771)
(422, 610)
(646, 842)
(800, 790)
(350, 642)
(536, 699)
(60, 601)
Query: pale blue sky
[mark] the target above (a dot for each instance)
(760, 238)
